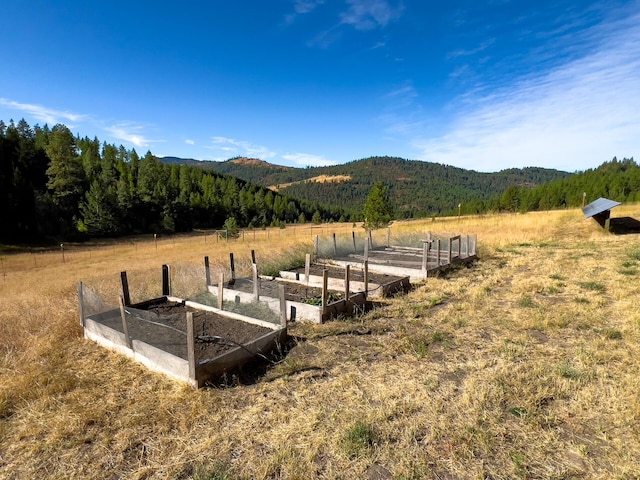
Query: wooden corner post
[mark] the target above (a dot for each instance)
(283, 305)
(207, 271)
(166, 281)
(256, 283)
(81, 303)
(347, 281)
(366, 278)
(325, 291)
(191, 350)
(232, 282)
(125, 288)
(125, 327)
(221, 291)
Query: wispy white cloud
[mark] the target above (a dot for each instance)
(325, 38)
(305, 6)
(302, 7)
(402, 96)
(362, 15)
(306, 159)
(239, 147)
(46, 115)
(129, 132)
(582, 112)
(471, 51)
(188, 141)
(369, 14)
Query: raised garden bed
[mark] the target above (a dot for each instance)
(302, 303)
(379, 284)
(155, 333)
(416, 263)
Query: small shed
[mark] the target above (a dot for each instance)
(600, 211)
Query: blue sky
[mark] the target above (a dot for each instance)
(483, 85)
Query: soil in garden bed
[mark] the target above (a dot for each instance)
(294, 292)
(164, 326)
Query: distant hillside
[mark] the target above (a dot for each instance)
(617, 180)
(416, 188)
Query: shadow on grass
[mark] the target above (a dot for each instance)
(624, 226)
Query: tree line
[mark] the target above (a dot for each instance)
(617, 180)
(54, 185)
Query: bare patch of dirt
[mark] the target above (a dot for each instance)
(318, 179)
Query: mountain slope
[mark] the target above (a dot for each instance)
(416, 188)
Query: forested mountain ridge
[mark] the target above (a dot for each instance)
(57, 186)
(617, 180)
(416, 188)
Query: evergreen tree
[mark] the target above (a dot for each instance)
(66, 175)
(98, 212)
(377, 209)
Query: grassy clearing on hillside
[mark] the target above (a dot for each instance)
(524, 365)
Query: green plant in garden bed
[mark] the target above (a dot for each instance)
(317, 301)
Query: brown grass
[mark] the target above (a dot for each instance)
(522, 366)
(316, 179)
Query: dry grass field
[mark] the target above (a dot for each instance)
(525, 365)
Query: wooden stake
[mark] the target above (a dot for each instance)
(325, 286)
(191, 347)
(81, 301)
(335, 246)
(125, 288)
(353, 236)
(283, 306)
(347, 283)
(256, 284)
(366, 251)
(438, 255)
(307, 268)
(253, 256)
(425, 253)
(366, 278)
(166, 282)
(221, 291)
(125, 327)
(207, 271)
(315, 248)
(232, 282)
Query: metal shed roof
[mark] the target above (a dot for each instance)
(598, 206)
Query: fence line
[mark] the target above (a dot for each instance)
(36, 258)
